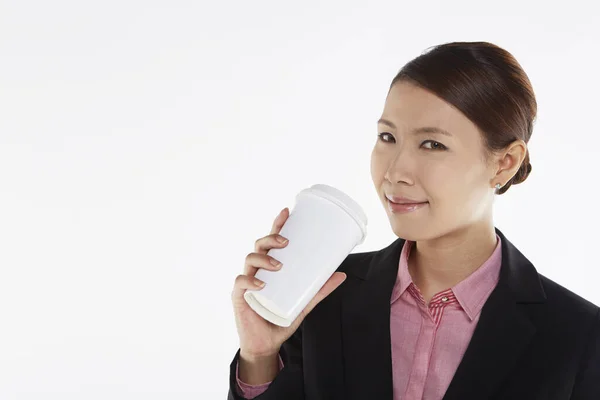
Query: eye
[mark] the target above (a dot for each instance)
(439, 145)
(434, 145)
(381, 136)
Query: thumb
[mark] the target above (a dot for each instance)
(332, 283)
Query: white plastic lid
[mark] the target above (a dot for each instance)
(344, 201)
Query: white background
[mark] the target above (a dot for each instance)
(145, 146)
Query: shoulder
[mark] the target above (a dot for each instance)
(575, 322)
(568, 312)
(359, 265)
(561, 298)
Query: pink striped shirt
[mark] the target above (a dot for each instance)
(428, 341)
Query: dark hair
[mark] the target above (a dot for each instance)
(488, 85)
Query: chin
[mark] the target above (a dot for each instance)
(408, 231)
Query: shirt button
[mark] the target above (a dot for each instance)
(444, 299)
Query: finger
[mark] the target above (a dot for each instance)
(264, 244)
(254, 261)
(244, 282)
(279, 221)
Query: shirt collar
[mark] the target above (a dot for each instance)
(471, 292)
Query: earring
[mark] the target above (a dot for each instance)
(498, 186)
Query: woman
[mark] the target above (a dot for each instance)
(451, 309)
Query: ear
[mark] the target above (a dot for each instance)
(509, 161)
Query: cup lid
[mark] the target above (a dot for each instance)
(344, 201)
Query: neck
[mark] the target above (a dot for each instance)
(443, 262)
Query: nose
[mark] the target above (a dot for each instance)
(400, 169)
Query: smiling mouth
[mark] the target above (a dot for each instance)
(405, 208)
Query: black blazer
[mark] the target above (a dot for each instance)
(535, 340)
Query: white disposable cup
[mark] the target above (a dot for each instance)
(323, 228)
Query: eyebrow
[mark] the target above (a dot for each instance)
(425, 129)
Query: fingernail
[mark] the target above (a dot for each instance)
(276, 263)
(282, 240)
(259, 283)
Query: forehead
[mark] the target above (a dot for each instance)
(409, 106)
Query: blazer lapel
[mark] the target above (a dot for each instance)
(504, 329)
(501, 335)
(366, 325)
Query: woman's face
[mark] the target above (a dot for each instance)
(447, 171)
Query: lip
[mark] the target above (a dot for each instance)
(403, 200)
(405, 208)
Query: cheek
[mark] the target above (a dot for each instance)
(438, 178)
(445, 187)
(449, 186)
(377, 170)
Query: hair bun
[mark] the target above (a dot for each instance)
(523, 173)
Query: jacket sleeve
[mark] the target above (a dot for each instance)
(587, 381)
(289, 383)
(251, 391)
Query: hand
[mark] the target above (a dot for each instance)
(260, 338)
